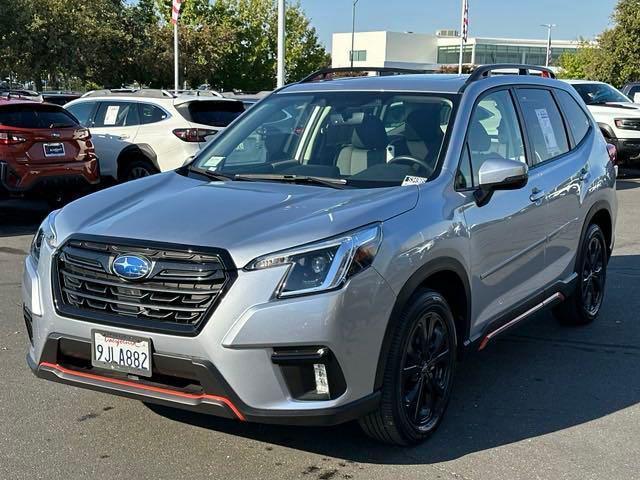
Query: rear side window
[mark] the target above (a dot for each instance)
(35, 116)
(151, 114)
(82, 111)
(213, 113)
(117, 114)
(578, 121)
(543, 123)
(634, 94)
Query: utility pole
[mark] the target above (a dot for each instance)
(281, 46)
(353, 29)
(548, 26)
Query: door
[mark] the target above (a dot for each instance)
(561, 163)
(508, 235)
(113, 128)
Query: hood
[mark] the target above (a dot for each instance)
(248, 219)
(619, 108)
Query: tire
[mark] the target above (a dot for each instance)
(584, 304)
(414, 359)
(138, 168)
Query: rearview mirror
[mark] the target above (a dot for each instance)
(499, 174)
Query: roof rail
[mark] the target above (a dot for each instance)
(486, 71)
(328, 73)
(130, 92)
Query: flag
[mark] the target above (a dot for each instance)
(465, 21)
(175, 11)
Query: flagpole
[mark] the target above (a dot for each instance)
(462, 29)
(281, 44)
(176, 66)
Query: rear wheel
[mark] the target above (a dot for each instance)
(419, 373)
(584, 305)
(136, 169)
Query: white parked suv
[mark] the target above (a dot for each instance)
(617, 116)
(139, 133)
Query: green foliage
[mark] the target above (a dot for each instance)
(228, 44)
(579, 65)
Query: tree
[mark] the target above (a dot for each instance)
(579, 64)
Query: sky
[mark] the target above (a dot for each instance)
(488, 18)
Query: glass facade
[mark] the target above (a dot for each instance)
(358, 55)
(487, 53)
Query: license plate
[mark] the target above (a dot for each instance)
(54, 149)
(121, 353)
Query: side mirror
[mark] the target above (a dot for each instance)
(500, 174)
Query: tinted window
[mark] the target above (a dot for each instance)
(634, 93)
(151, 114)
(544, 124)
(116, 114)
(599, 93)
(82, 111)
(494, 132)
(213, 113)
(35, 116)
(578, 121)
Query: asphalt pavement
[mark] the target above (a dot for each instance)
(544, 402)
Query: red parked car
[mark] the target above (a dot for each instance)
(44, 151)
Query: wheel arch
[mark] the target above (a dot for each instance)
(600, 214)
(136, 152)
(448, 277)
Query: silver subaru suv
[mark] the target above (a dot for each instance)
(334, 253)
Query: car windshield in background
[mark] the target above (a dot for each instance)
(35, 115)
(599, 94)
(362, 139)
(213, 113)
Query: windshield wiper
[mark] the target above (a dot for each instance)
(213, 175)
(339, 183)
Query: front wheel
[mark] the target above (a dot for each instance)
(584, 305)
(419, 373)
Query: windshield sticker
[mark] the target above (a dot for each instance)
(111, 117)
(547, 131)
(409, 180)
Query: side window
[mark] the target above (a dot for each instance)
(151, 114)
(116, 114)
(544, 124)
(578, 121)
(82, 111)
(634, 94)
(494, 132)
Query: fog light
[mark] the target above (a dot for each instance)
(322, 381)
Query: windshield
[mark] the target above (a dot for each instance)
(363, 139)
(599, 93)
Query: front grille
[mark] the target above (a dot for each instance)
(182, 287)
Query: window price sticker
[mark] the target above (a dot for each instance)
(409, 180)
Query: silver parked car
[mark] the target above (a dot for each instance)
(334, 266)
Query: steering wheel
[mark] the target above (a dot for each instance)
(409, 160)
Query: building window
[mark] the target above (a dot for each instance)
(358, 55)
(450, 55)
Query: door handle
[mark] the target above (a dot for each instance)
(536, 195)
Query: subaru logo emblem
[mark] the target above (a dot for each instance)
(131, 267)
(55, 135)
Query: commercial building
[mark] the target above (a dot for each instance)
(430, 52)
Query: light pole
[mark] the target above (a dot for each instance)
(353, 29)
(281, 46)
(548, 26)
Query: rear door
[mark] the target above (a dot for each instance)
(508, 235)
(114, 127)
(49, 134)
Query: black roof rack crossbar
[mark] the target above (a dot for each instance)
(485, 71)
(327, 73)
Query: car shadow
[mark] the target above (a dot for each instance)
(539, 379)
(21, 217)
(627, 184)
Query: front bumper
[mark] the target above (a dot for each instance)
(628, 149)
(229, 369)
(24, 178)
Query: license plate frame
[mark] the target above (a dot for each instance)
(54, 149)
(119, 361)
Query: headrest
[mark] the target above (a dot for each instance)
(370, 134)
(424, 123)
(479, 140)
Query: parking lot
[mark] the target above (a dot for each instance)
(543, 402)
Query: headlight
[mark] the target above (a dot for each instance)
(46, 233)
(324, 265)
(628, 123)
